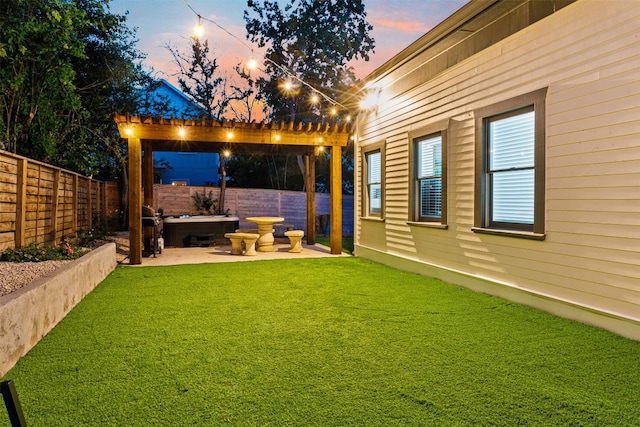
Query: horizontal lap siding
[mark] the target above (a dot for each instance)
(591, 66)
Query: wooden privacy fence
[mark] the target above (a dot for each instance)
(245, 202)
(42, 203)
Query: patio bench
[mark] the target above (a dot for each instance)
(237, 239)
(295, 237)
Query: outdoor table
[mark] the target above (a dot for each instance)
(265, 231)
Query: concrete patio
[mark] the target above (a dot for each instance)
(197, 255)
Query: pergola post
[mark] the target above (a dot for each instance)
(311, 196)
(335, 237)
(147, 184)
(134, 149)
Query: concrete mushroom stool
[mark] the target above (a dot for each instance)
(295, 237)
(236, 243)
(249, 240)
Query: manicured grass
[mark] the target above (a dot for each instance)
(322, 342)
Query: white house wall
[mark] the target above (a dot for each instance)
(588, 55)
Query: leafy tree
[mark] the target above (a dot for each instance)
(65, 67)
(38, 40)
(309, 44)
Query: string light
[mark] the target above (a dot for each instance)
(198, 30)
(252, 64)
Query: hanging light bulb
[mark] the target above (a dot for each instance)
(333, 111)
(252, 64)
(315, 98)
(198, 30)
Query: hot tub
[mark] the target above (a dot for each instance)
(185, 230)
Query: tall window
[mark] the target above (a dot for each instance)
(374, 183)
(510, 165)
(428, 178)
(510, 169)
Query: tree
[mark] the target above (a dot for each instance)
(309, 43)
(199, 78)
(65, 67)
(38, 40)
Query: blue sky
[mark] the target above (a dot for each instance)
(396, 24)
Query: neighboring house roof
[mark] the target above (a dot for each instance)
(178, 101)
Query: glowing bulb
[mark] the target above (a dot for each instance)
(321, 149)
(252, 64)
(288, 85)
(277, 137)
(182, 133)
(333, 111)
(128, 131)
(320, 140)
(348, 118)
(369, 101)
(229, 135)
(198, 30)
(315, 98)
(226, 153)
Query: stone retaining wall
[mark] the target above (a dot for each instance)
(29, 313)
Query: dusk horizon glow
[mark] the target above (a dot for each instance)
(162, 23)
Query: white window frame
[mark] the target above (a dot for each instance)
(367, 211)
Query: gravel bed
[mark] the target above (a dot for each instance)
(15, 275)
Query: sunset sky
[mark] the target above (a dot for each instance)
(396, 24)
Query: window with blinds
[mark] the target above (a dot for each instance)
(510, 167)
(428, 179)
(510, 171)
(374, 183)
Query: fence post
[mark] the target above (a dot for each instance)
(55, 207)
(12, 403)
(21, 203)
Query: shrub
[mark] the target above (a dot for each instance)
(204, 202)
(33, 252)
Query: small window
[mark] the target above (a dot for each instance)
(429, 194)
(374, 183)
(510, 172)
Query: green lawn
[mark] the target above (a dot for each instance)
(323, 342)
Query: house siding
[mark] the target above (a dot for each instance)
(587, 55)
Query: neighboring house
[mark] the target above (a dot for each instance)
(185, 168)
(503, 155)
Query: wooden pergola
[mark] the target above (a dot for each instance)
(149, 134)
